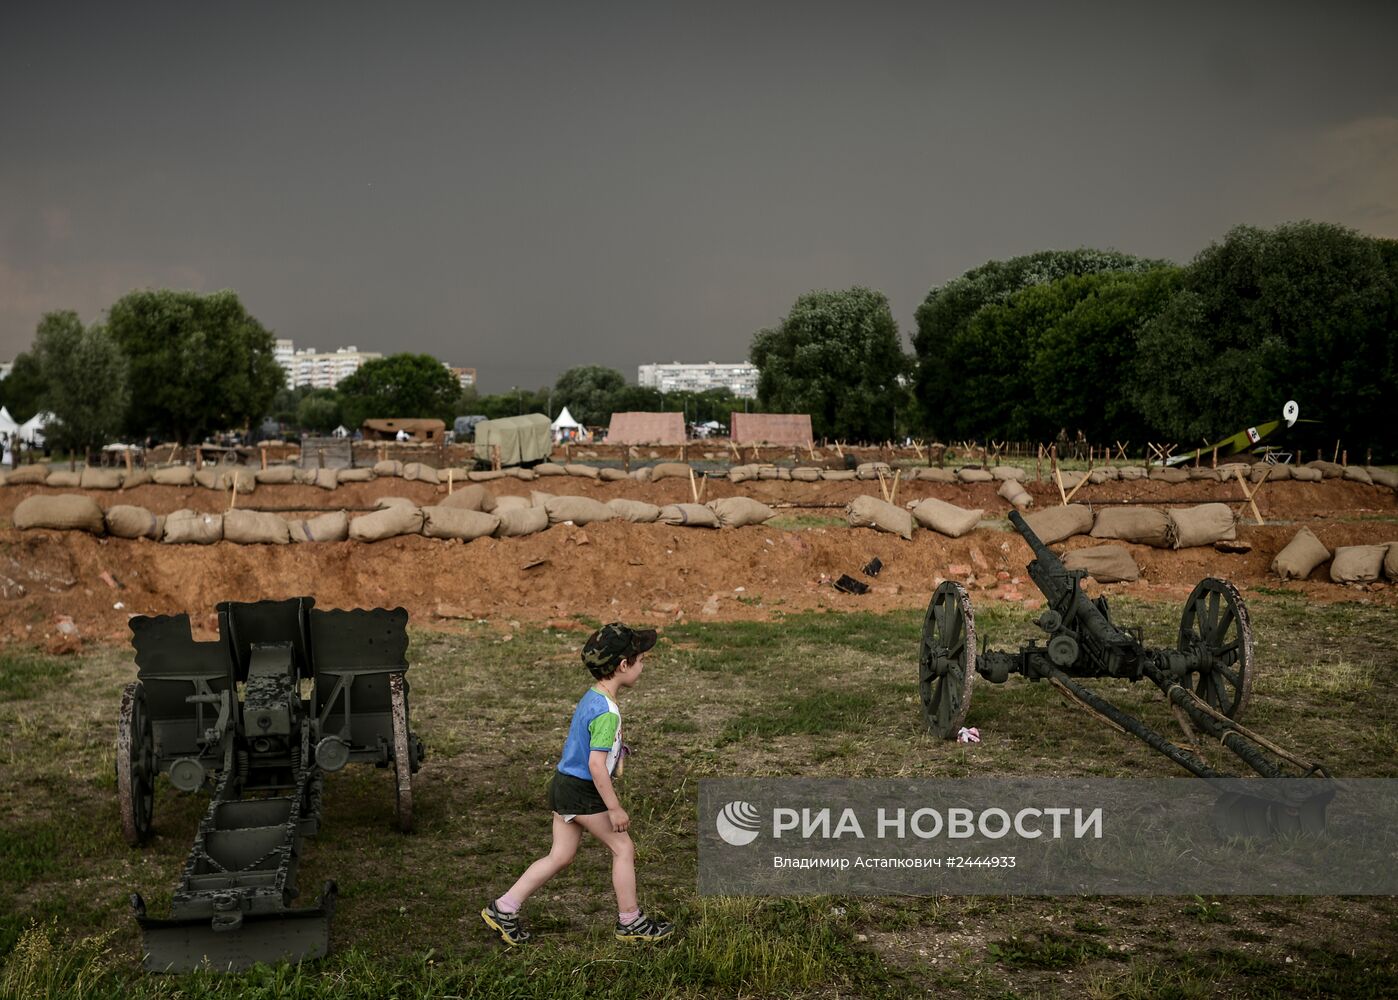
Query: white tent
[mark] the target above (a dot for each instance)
(32, 430)
(565, 426)
(8, 424)
(340, 432)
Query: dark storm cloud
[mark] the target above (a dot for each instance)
(522, 189)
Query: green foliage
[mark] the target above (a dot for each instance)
(23, 390)
(1303, 311)
(319, 411)
(836, 356)
(586, 390)
(84, 382)
(198, 363)
(402, 386)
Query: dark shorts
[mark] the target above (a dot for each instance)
(570, 796)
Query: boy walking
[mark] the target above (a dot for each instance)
(581, 793)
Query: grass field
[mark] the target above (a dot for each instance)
(817, 694)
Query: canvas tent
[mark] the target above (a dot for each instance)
(526, 438)
(32, 430)
(417, 430)
(8, 424)
(772, 428)
(564, 426)
(646, 428)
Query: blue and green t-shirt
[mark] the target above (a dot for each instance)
(596, 725)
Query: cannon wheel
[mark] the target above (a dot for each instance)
(1216, 620)
(947, 664)
(135, 765)
(402, 753)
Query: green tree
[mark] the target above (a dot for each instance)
(836, 356)
(401, 385)
(1304, 311)
(587, 390)
(85, 382)
(199, 363)
(319, 411)
(959, 362)
(22, 391)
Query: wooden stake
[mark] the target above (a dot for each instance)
(1058, 477)
(839, 451)
(1074, 491)
(883, 487)
(450, 474)
(1121, 451)
(233, 492)
(918, 448)
(264, 456)
(1344, 457)
(893, 493)
(1336, 457)
(1039, 466)
(1250, 494)
(693, 487)
(495, 458)
(1215, 459)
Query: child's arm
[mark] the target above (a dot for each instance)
(597, 767)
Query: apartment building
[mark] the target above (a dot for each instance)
(741, 379)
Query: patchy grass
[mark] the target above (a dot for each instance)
(24, 672)
(814, 694)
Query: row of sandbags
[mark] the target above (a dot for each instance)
(468, 514)
(1348, 563)
(1175, 528)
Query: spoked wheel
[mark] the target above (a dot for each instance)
(402, 752)
(1215, 629)
(947, 664)
(135, 765)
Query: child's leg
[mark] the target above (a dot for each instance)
(623, 858)
(566, 837)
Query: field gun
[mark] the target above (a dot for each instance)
(1207, 679)
(287, 693)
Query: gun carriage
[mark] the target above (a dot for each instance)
(287, 693)
(1207, 679)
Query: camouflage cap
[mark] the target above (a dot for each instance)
(612, 643)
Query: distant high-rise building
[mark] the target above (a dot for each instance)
(465, 377)
(285, 353)
(741, 379)
(326, 370)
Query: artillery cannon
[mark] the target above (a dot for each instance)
(286, 693)
(1207, 679)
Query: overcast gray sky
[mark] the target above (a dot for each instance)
(525, 187)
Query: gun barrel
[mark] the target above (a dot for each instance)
(1041, 551)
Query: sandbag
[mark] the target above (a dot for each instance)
(1104, 563)
(1272, 473)
(550, 469)
(538, 498)
(383, 503)
(768, 472)
(1357, 563)
(472, 496)
(1008, 472)
(1303, 474)
(331, 527)
(172, 475)
(387, 523)
(933, 474)
(742, 473)
(579, 510)
(635, 511)
(871, 512)
(805, 474)
(1301, 556)
(276, 475)
(128, 521)
(839, 475)
(518, 521)
(62, 479)
(136, 477)
(388, 467)
(252, 527)
(585, 471)
(970, 475)
(669, 470)
(100, 479)
(1071, 479)
(1382, 477)
(521, 473)
(1202, 525)
(1205, 474)
(305, 477)
(420, 472)
(1328, 470)
(1390, 562)
(454, 522)
(354, 475)
(25, 475)
(1054, 524)
(501, 504)
(327, 479)
(611, 475)
(1131, 472)
(1357, 474)
(1143, 525)
(238, 478)
(191, 527)
(737, 512)
(946, 518)
(68, 512)
(486, 476)
(641, 475)
(688, 515)
(1013, 491)
(1110, 473)
(871, 470)
(207, 478)
(1169, 474)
